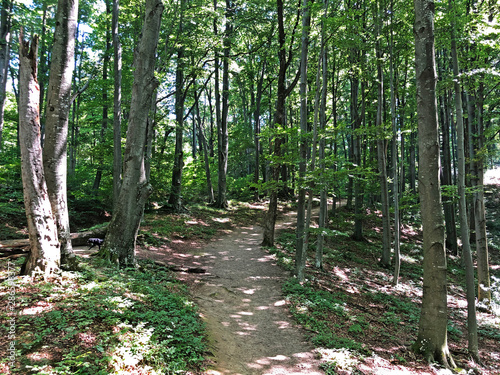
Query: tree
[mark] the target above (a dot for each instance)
(464, 225)
(175, 198)
(432, 334)
(117, 107)
(119, 244)
(300, 257)
(5, 25)
(56, 122)
(382, 147)
(222, 125)
(278, 123)
(45, 255)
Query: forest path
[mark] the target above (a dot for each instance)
(249, 327)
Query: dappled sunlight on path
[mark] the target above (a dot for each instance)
(240, 298)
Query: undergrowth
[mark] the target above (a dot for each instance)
(104, 321)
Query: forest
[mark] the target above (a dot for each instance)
(352, 146)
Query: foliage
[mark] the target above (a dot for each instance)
(106, 321)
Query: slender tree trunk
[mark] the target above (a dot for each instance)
(5, 24)
(117, 109)
(278, 123)
(150, 135)
(432, 340)
(395, 162)
(464, 226)
(45, 252)
(206, 156)
(56, 124)
(323, 208)
(175, 199)
(301, 250)
(356, 157)
(385, 261)
(448, 205)
(258, 100)
(483, 268)
(105, 106)
(120, 241)
(222, 130)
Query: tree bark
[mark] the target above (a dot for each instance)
(120, 241)
(45, 252)
(301, 241)
(464, 226)
(432, 334)
(57, 118)
(483, 268)
(222, 129)
(105, 107)
(5, 25)
(448, 205)
(278, 123)
(395, 163)
(117, 109)
(256, 114)
(323, 208)
(206, 156)
(175, 198)
(385, 261)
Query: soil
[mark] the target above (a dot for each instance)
(249, 327)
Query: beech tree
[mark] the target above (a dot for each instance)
(117, 105)
(44, 253)
(56, 123)
(119, 244)
(5, 25)
(432, 334)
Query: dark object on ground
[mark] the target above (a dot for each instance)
(95, 241)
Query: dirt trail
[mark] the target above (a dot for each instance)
(249, 327)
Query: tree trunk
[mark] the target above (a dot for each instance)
(448, 205)
(395, 162)
(323, 208)
(258, 100)
(175, 198)
(117, 106)
(206, 156)
(57, 118)
(464, 226)
(222, 130)
(356, 158)
(119, 244)
(45, 252)
(5, 24)
(385, 261)
(278, 123)
(105, 106)
(483, 268)
(42, 71)
(301, 244)
(432, 334)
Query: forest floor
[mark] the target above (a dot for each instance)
(352, 320)
(250, 330)
(345, 319)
